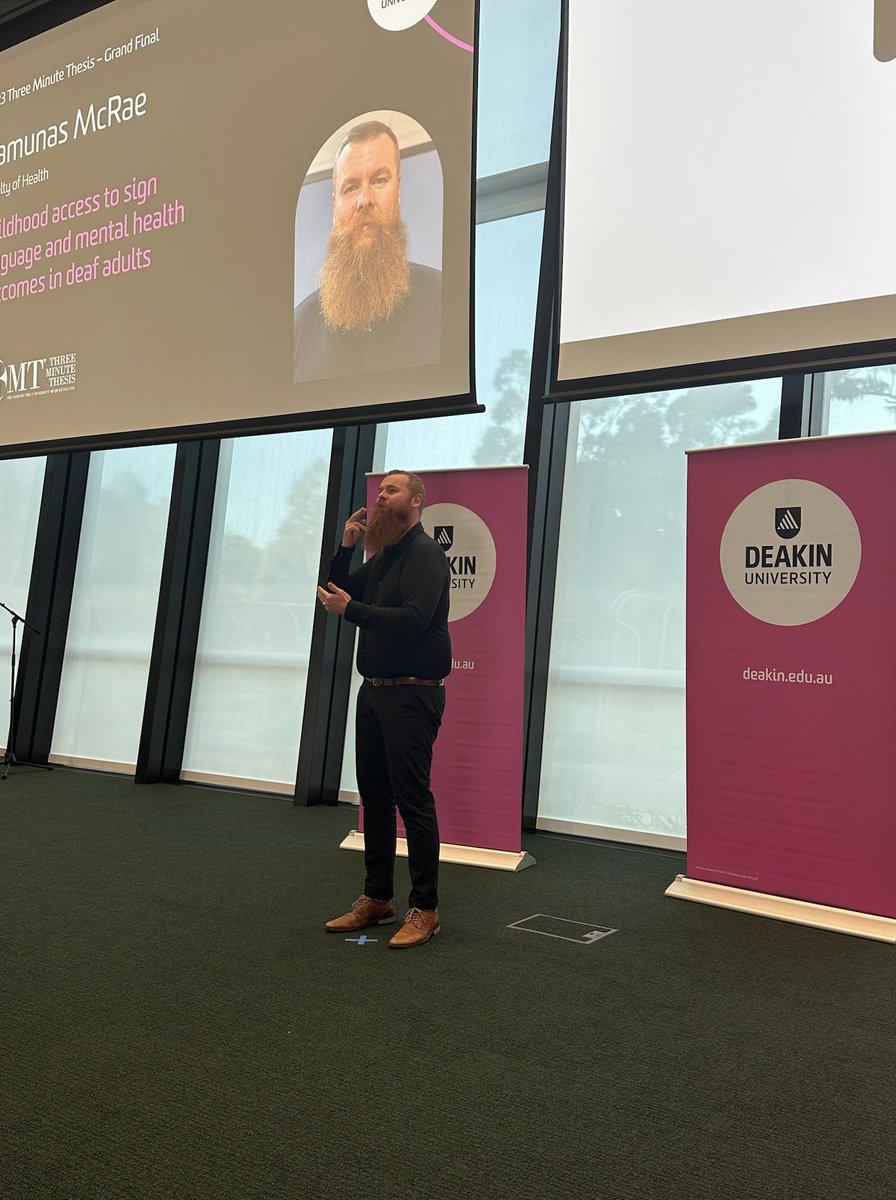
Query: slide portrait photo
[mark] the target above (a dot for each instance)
(368, 251)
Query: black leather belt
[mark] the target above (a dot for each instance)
(398, 680)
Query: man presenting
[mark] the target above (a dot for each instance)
(374, 310)
(399, 601)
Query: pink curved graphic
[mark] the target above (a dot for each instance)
(450, 36)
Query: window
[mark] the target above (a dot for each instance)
(103, 687)
(255, 631)
(614, 730)
(859, 401)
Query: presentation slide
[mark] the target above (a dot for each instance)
(729, 186)
(230, 217)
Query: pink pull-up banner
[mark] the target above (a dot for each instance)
(791, 670)
(478, 516)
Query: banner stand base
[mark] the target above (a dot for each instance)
(781, 908)
(465, 856)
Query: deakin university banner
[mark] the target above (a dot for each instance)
(791, 689)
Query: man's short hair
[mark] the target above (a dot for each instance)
(415, 484)
(365, 132)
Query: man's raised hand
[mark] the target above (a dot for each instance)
(355, 527)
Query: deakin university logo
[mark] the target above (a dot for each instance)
(788, 521)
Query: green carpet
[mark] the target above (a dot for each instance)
(176, 1023)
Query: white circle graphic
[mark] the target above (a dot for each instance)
(399, 14)
(790, 552)
(470, 550)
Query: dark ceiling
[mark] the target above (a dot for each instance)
(15, 8)
(20, 19)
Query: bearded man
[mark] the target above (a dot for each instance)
(374, 310)
(399, 601)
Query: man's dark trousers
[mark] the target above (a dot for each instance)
(394, 734)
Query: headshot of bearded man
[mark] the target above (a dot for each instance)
(374, 308)
(365, 276)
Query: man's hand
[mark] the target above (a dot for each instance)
(333, 599)
(355, 527)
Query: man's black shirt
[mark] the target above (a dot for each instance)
(411, 337)
(400, 604)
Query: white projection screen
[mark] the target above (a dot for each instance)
(166, 205)
(729, 190)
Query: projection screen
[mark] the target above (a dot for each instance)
(169, 259)
(728, 191)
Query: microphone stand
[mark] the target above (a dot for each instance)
(9, 757)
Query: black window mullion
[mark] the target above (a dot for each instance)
(796, 392)
(325, 716)
(176, 636)
(49, 604)
(547, 428)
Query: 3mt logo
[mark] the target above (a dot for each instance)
(20, 377)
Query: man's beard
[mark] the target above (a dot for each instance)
(364, 280)
(385, 527)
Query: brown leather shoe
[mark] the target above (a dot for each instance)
(419, 926)
(365, 911)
